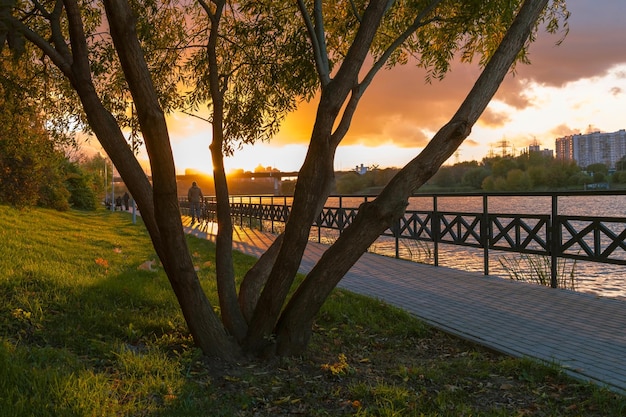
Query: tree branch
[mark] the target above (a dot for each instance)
(57, 58)
(317, 40)
(417, 23)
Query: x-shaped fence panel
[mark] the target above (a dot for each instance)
(460, 228)
(519, 233)
(598, 239)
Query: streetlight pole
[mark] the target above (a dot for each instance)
(113, 188)
(133, 135)
(106, 177)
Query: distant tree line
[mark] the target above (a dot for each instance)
(370, 182)
(526, 172)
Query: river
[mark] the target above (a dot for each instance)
(590, 277)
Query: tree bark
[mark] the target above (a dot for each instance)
(256, 277)
(206, 329)
(294, 328)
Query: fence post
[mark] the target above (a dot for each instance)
(341, 216)
(435, 226)
(396, 234)
(484, 234)
(240, 211)
(554, 242)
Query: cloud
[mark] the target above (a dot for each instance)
(492, 118)
(396, 129)
(563, 130)
(594, 44)
(398, 107)
(470, 142)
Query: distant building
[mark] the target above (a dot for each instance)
(592, 148)
(537, 149)
(360, 169)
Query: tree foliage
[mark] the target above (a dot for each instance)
(34, 169)
(263, 67)
(30, 165)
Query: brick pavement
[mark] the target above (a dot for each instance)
(584, 334)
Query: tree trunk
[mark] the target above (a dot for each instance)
(232, 316)
(294, 328)
(205, 327)
(77, 69)
(256, 277)
(314, 184)
(313, 187)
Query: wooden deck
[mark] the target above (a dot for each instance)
(584, 334)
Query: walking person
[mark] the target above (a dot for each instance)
(194, 196)
(126, 198)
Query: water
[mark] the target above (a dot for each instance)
(590, 277)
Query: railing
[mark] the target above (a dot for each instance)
(578, 237)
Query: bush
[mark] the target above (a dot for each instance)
(80, 186)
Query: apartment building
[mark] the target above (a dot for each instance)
(592, 148)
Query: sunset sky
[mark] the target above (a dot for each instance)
(576, 87)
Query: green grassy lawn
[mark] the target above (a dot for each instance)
(86, 330)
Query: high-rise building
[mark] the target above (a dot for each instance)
(592, 148)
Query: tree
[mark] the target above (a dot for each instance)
(31, 166)
(474, 177)
(81, 186)
(621, 164)
(291, 328)
(619, 177)
(385, 31)
(518, 180)
(598, 168)
(68, 37)
(349, 183)
(246, 72)
(501, 166)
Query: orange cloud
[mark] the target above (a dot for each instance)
(491, 118)
(563, 130)
(470, 142)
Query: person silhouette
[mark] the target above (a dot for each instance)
(194, 196)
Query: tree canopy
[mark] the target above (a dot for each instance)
(254, 53)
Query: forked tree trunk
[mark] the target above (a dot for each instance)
(294, 328)
(313, 187)
(232, 316)
(315, 181)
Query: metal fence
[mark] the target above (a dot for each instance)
(579, 237)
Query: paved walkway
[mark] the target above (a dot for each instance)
(583, 333)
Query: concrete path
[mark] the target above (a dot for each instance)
(583, 333)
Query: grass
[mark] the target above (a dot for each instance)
(538, 269)
(85, 331)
